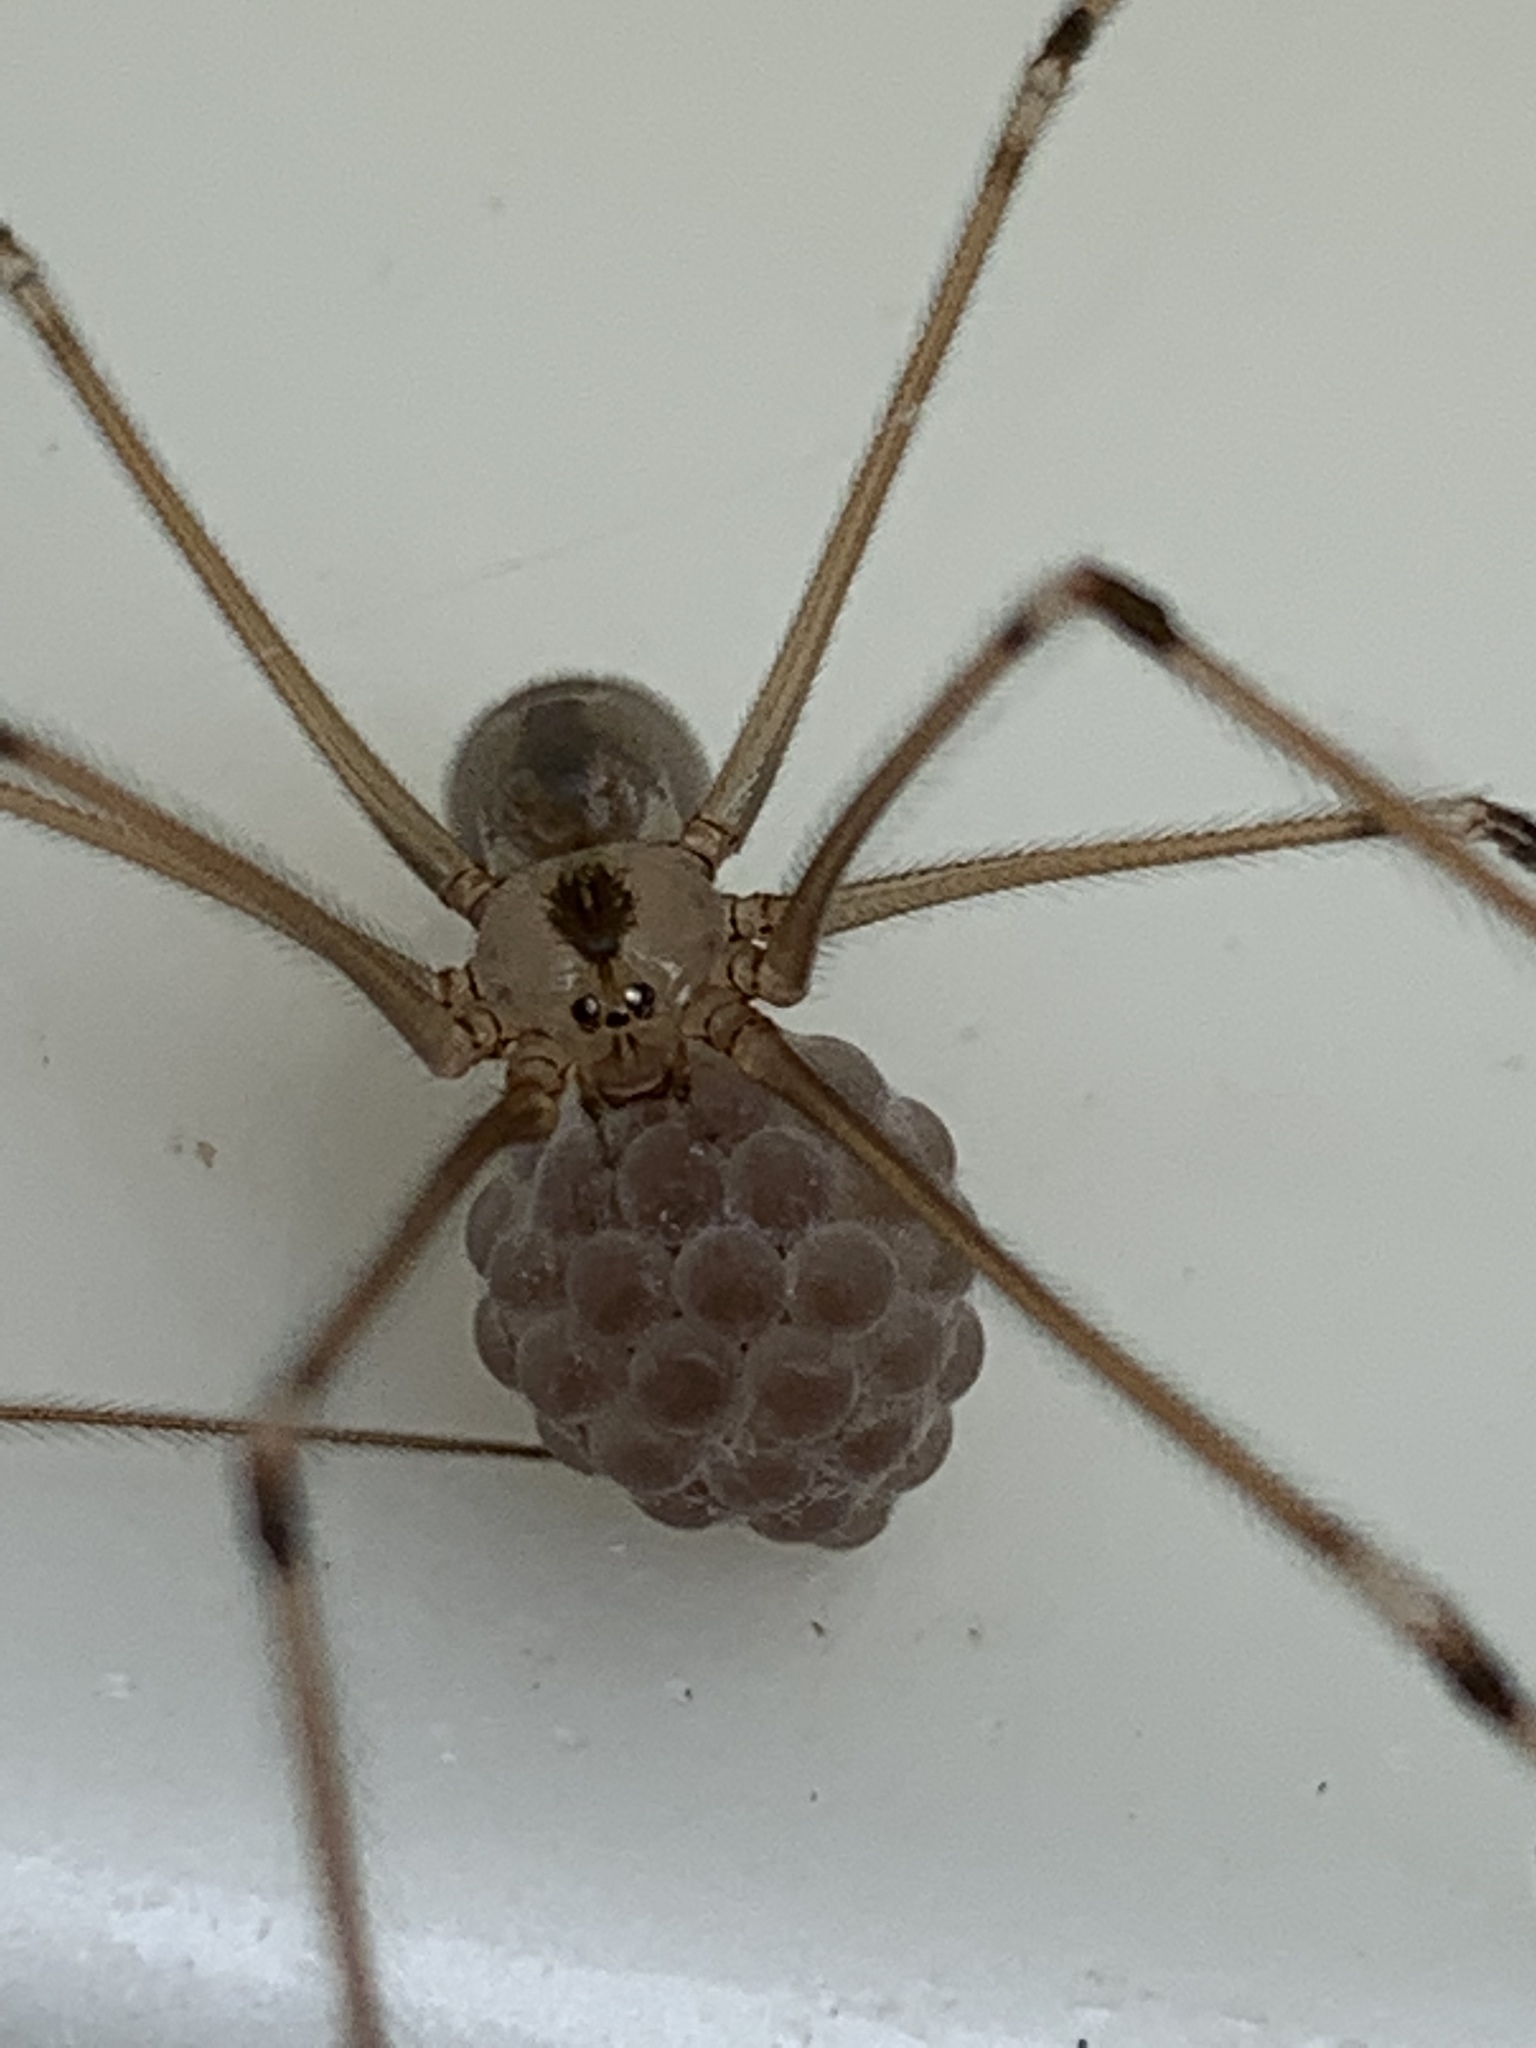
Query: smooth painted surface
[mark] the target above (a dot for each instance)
(501, 339)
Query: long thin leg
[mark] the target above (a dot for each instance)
(106, 815)
(120, 1419)
(1412, 1606)
(881, 897)
(424, 844)
(727, 813)
(290, 1580)
(1090, 589)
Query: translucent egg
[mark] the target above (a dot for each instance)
(710, 1303)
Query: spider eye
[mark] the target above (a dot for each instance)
(640, 999)
(588, 1012)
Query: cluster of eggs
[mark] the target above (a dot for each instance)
(708, 1301)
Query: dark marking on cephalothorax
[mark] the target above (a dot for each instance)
(1070, 37)
(592, 907)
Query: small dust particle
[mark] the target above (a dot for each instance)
(200, 1149)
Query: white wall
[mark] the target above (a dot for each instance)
(496, 338)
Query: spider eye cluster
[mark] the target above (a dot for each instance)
(712, 1304)
(638, 1000)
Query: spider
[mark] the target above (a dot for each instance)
(1146, 912)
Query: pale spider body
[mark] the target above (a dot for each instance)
(701, 1295)
(1128, 1763)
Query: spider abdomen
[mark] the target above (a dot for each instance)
(709, 1302)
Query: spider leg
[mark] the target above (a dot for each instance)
(122, 1419)
(879, 897)
(102, 813)
(1413, 1607)
(425, 845)
(1090, 589)
(278, 1508)
(728, 811)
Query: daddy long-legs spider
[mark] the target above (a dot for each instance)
(1111, 1796)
